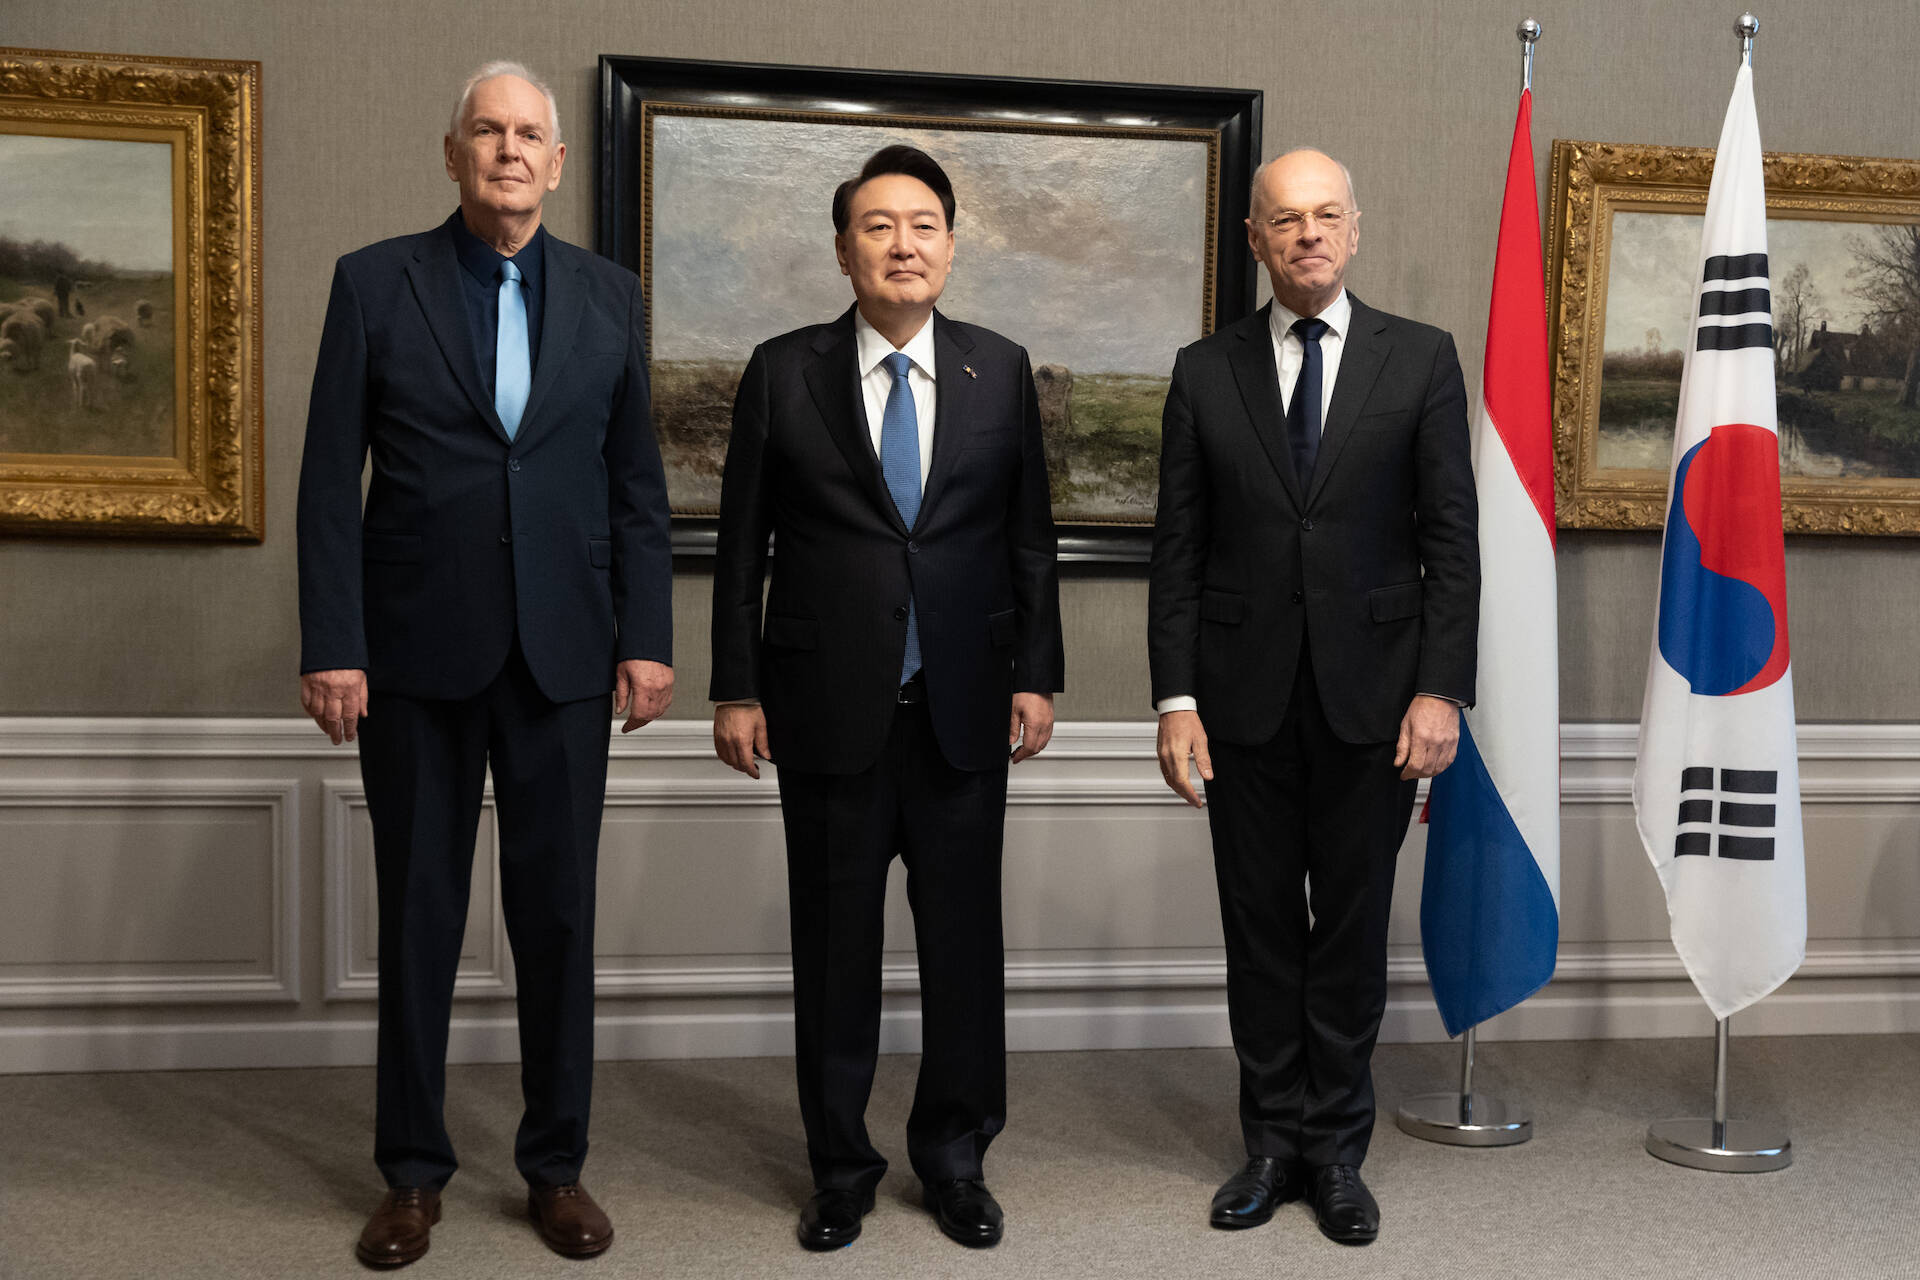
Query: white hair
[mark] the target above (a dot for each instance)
(493, 71)
(1253, 193)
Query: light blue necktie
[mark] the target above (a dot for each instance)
(512, 357)
(900, 463)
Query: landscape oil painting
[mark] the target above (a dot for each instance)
(1098, 225)
(131, 372)
(1846, 344)
(1056, 248)
(87, 309)
(1843, 286)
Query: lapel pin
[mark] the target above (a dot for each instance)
(968, 370)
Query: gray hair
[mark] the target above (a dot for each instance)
(493, 71)
(1253, 192)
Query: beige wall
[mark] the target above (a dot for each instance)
(1418, 98)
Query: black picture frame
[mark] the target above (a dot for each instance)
(629, 84)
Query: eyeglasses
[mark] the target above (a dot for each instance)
(1290, 222)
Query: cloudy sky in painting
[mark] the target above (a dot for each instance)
(1655, 257)
(1088, 251)
(107, 200)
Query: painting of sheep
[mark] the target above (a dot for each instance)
(87, 273)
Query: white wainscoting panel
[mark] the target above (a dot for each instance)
(134, 891)
(169, 882)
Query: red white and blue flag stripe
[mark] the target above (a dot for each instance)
(1490, 905)
(1716, 788)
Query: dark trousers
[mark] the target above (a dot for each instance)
(424, 763)
(1306, 823)
(842, 835)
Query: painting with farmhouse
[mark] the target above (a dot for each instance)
(1843, 267)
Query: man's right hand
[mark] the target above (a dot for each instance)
(337, 701)
(1182, 735)
(739, 735)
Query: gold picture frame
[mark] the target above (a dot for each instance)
(134, 185)
(1623, 257)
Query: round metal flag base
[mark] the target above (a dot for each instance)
(1472, 1120)
(1740, 1146)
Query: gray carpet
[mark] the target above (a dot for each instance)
(1105, 1170)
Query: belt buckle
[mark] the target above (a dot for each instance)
(912, 693)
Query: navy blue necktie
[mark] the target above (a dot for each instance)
(900, 463)
(1303, 410)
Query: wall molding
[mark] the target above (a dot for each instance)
(724, 1004)
(278, 982)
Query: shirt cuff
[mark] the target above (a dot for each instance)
(1444, 698)
(739, 702)
(1181, 702)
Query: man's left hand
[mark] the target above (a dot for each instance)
(1030, 725)
(1429, 735)
(642, 691)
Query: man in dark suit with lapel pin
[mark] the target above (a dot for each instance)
(910, 637)
(1313, 605)
(511, 569)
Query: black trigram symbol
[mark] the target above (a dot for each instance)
(1736, 307)
(1743, 825)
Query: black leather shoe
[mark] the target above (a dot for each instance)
(1347, 1211)
(1249, 1197)
(967, 1212)
(831, 1217)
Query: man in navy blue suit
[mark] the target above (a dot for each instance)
(511, 568)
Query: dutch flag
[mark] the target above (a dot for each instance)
(1490, 906)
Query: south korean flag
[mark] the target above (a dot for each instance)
(1716, 788)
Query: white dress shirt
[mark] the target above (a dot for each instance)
(1288, 353)
(870, 350)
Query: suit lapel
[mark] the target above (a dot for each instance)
(566, 299)
(1361, 356)
(833, 380)
(435, 276)
(1251, 357)
(953, 405)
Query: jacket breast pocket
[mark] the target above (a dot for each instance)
(786, 631)
(1391, 604)
(391, 548)
(600, 552)
(1223, 606)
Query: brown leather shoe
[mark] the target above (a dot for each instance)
(397, 1232)
(569, 1221)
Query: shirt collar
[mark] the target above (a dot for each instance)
(482, 261)
(1338, 315)
(872, 347)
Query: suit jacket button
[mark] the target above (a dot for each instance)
(505, 539)
(1298, 596)
(900, 614)
(513, 464)
(1306, 523)
(913, 548)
